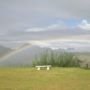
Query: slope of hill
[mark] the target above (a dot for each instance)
(85, 57)
(22, 55)
(4, 50)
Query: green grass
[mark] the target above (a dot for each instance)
(54, 79)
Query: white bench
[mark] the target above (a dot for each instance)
(43, 66)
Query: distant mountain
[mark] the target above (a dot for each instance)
(23, 55)
(4, 50)
(71, 50)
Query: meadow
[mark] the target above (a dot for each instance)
(57, 78)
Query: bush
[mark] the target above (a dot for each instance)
(57, 59)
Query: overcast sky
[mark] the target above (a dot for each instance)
(45, 21)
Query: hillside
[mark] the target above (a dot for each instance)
(84, 57)
(4, 50)
(22, 56)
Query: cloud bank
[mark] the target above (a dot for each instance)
(41, 20)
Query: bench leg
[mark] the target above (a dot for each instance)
(48, 68)
(38, 68)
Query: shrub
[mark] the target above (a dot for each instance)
(57, 59)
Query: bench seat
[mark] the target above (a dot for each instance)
(43, 66)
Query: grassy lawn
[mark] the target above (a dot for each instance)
(54, 79)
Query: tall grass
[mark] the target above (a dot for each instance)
(57, 59)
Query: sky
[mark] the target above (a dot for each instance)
(50, 23)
